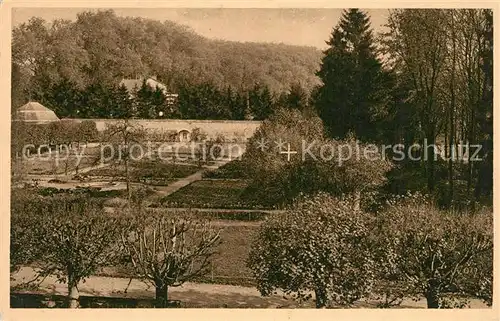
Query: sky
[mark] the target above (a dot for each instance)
(306, 27)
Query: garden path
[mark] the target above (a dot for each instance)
(163, 191)
(195, 294)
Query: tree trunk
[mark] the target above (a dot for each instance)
(471, 141)
(452, 120)
(450, 164)
(446, 140)
(432, 295)
(162, 296)
(357, 200)
(127, 179)
(320, 294)
(73, 295)
(430, 161)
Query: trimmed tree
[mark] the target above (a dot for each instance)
(24, 216)
(75, 238)
(87, 131)
(441, 255)
(320, 246)
(167, 250)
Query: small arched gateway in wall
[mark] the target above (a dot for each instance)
(184, 135)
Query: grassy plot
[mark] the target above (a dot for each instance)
(233, 170)
(228, 264)
(150, 172)
(233, 215)
(211, 194)
(54, 165)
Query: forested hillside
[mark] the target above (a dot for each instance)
(101, 48)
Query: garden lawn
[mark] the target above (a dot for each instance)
(53, 166)
(228, 263)
(150, 172)
(235, 169)
(211, 194)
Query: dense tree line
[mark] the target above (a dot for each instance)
(195, 101)
(208, 102)
(100, 48)
(427, 80)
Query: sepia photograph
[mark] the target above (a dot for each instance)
(251, 158)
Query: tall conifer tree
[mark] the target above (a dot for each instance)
(353, 95)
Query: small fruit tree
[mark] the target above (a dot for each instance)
(167, 250)
(321, 246)
(444, 256)
(123, 143)
(74, 237)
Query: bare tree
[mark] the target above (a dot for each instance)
(417, 43)
(445, 54)
(167, 251)
(123, 136)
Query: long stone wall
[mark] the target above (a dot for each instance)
(230, 129)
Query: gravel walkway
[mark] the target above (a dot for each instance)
(195, 294)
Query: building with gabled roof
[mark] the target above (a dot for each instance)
(135, 84)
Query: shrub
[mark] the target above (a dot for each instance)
(214, 149)
(233, 215)
(321, 245)
(277, 180)
(197, 135)
(162, 135)
(93, 192)
(24, 216)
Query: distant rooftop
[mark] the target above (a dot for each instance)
(135, 84)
